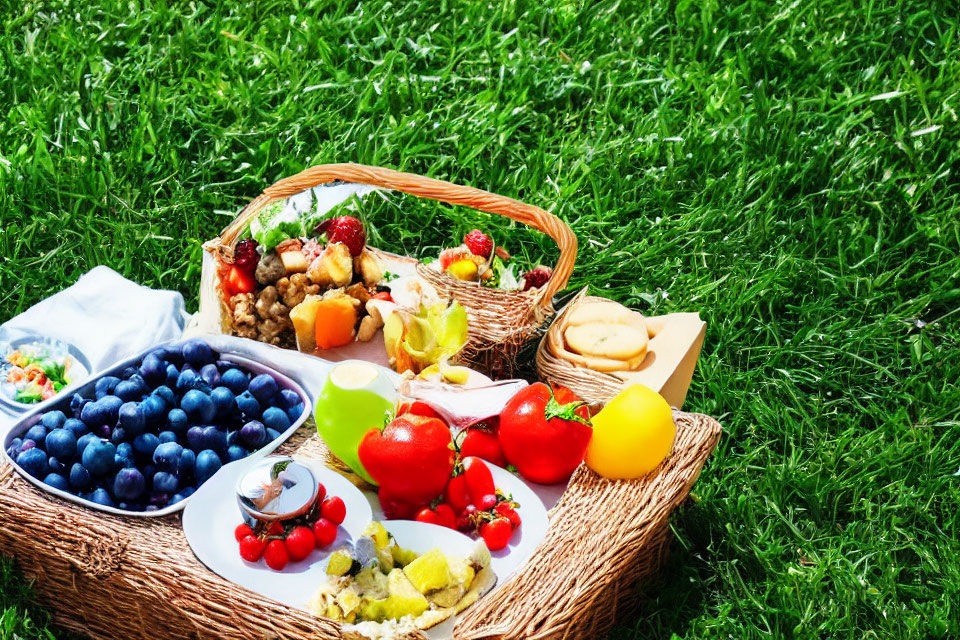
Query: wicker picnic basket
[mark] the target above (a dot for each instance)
(501, 322)
(112, 577)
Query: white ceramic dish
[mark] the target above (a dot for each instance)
(80, 369)
(62, 402)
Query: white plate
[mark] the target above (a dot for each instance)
(212, 515)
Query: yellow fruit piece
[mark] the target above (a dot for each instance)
(380, 536)
(464, 270)
(404, 599)
(294, 261)
(402, 556)
(429, 572)
(632, 434)
(304, 318)
(340, 563)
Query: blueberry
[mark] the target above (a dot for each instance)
(167, 456)
(224, 401)
(165, 482)
(276, 418)
(154, 410)
(131, 418)
(215, 439)
(198, 405)
(79, 476)
(233, 437)
(61, 443)
(288, 398)
(106, 385)
(53, 419)
(13, 450)
(172, 374)
(128, 372)
(76, 426)
(165, 392)
(57, 481)
(295, 412)
(83, 441)
(235, 380)
(37, 433)
(128, 391)
(158, 499)
(264, 388)
(101, 497)
(77, 402)
(16, 442)
(34, 462)
(167, 436)
(171, 354)
(149, 471)
(145, 444)
(129, 484)
(56, 465)
(153, 369)
(197, 352)
(175, 498)
(248, 406)
(253, 434)
(272, 434)
(98, 457)
(208, 463)
(188, 459)
(125, 450)
(195, 438)
(186, 380)
(110, 409)
(118, 435)
(235, 453)
(177, 420)
(123, 462)
(210, 374)
(103, 431)
(27, 444)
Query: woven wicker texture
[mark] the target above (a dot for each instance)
(501, 322)
(111, 577)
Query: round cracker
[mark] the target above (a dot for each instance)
(604, 340)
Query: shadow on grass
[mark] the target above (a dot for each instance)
(20, 617)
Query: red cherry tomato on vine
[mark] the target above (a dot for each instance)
(496, 533)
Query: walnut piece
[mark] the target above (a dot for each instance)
(295, 288)
(358, 291)
(244, 317)
(274, 316)
(270, 269)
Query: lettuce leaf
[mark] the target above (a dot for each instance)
(275, 223)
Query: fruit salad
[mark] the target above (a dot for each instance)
(37, 372)
(478, 260)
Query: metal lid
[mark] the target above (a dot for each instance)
(276, 488)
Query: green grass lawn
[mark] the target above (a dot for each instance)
(789, 169)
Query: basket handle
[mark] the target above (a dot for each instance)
(424, 188)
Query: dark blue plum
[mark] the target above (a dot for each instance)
(128, 391)
(53, 419)
(165, 482)
(37, 433)
(199, 406)
(235, 380)
(61, 443)
(264, 388)
(288, 398)
(294, 412)
(208, 463)
(98, 457)
(210, 374)
(34, 462)
(172, 373)
(272, 434)
(154, 410)
(131, 418)
(76, 426)
(79, 476)
(253, 434)
(102, 497)
(224, 401)
(153, 369)
(129, 484)
(83, 441)
(197, 352)
(167, 436)
(248, 405)
(167, 456)
(235, 453)
(276, 418)
(165, 392)
(188, 459)
(118, 435)
(215, 439)
(56, 465)
(177, 420)
(105, 386)
(186, 380)
(195, 438)
(57, 481)
(110, 409)
(145, 444)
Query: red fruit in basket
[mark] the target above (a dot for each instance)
(345, 229)
(544, 433)
(276, 555)
(417, 408)
(324, 532)
(442, 515)
(333, 510)
(479, 243)
(449, 256)
(412, 458)
(507, 510)
(496, 533)
(251, 548)
(456, 494)
(300, 542)
(483, 443)
(239, 281)
(382, 295)
(241, 532)
(479, 481)
(245, 255)
(536, 278)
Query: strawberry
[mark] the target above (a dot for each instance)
(239, 281)
(479, 243)
(536, 278)
(345, 229)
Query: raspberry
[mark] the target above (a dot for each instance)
(345, 229)
(245, 255)
(479, 243)
(536, 278)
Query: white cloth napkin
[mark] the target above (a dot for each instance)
(105, 315)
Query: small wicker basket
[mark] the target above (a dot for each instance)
(501, 322)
